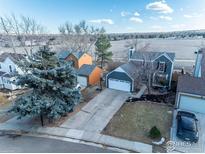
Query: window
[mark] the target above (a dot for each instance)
(10, 68)
(161, 67)
(0, 66)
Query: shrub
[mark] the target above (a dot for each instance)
(154, 133)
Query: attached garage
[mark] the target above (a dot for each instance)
(192, 103)
(119, 84)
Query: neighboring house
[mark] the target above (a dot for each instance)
(9, 69)
(89, 75)
(191, 89)
(126, 77)
(78, 58)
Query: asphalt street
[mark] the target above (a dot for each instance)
(26, 144)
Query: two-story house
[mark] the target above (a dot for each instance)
(8, 70)
(127, 76)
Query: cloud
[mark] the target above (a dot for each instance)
(194, 15)
(136, 14)
(181, 9)
(124, 13)
(167, 18)
(136, 20)
(157, 28)
(160, 6)
(102, 21)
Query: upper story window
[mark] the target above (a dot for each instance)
(0, 66)
(10, 68)
(162, 66)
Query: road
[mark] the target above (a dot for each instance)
(26, 144)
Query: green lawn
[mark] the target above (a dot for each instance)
(134, 120)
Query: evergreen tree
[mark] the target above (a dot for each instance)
(102, 45)
(52, 85)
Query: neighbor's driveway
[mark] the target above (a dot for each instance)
(188, 147)
(98, 112)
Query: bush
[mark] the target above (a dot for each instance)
(154, 133)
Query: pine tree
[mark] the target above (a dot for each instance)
(102, 45)
(52, 84)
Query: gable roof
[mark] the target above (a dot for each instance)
(86, 69)
(191, 85)
(13, 56)
(78, 54)
(132, 69)
(152, 55)
(63, 54)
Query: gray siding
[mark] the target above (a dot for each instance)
(119, 76)
(168, 68)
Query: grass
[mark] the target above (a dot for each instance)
(134, 121)
(3, 99)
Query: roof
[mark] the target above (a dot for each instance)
(132, 69)
(151, 55)
(7, 75)
(191, 85)
(2, 73)
(86, 69)
(13, 56)
(63, 54)
(78, 54)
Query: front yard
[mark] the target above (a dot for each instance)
(134, 121)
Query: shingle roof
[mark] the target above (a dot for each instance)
(132, 69)
(78, 54)
(86, 69)
(151, 55)
(13, 56)
(63, 54)
(191, 85)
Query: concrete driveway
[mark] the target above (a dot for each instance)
(188, 147)
(98, 112)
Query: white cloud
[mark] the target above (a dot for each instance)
(102, 21)
(160, 6)
(136, 14)
(136, 20)
(181, 9)
(194, 15)
(157, 28)
(167, 18)
(124, 13)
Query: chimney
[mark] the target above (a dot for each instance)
(131, 51)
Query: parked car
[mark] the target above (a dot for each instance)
(187, 128)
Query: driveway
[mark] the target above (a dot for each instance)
(98, 112)
(181, 146)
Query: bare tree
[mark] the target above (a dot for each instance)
(79, 36)
(22, 30)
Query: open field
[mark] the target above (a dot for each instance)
(184, 49)
(134, 121)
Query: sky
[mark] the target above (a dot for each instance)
(117, 16)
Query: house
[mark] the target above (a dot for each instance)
(191, 89)
(8, 70)
(89, 75)
(78, 58)
(126, 77)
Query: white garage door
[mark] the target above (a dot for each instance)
(82, 81)
(193, 104)
(119, 85)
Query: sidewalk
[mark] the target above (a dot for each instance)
(20, 126)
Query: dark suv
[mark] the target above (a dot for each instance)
(187, 128)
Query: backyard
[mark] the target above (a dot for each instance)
(134, 121)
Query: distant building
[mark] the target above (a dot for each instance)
(9, 69)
